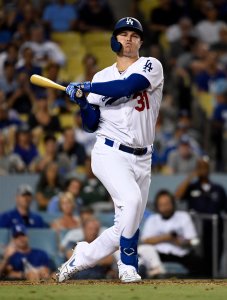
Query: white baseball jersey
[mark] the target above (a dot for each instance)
(180, 222)
(131, 120)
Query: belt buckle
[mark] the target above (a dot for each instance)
(138, 151)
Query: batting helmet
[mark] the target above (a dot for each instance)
(127, 23)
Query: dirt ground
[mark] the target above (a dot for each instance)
(205, 282)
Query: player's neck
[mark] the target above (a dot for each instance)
(124, 62)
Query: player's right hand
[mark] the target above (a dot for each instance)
(76, 95)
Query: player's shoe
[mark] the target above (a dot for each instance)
(67, 269)
(130, 275)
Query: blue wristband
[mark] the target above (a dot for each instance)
(86, 86)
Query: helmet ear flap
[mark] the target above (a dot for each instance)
(115, 45)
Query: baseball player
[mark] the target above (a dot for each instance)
(122, 107)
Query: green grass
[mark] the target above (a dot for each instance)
(92, 290)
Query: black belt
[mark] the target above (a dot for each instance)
(135, 151)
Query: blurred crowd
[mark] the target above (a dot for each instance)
(41, 131)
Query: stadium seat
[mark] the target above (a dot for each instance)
(106, 219)
(4, 238)
(96, 38)
(46, 240)
(72, 45)
(173, 268)
(66, 120)
(147, 6)
(49, 217)
(98, 44)
(205, 100)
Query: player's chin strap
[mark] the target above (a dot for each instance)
(115, 45)
(128, 247)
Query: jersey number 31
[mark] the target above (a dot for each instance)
(142, 101)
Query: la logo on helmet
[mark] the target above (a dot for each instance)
(129, 21)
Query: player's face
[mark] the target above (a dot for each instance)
(131, 43)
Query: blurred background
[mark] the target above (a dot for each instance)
(46, 182)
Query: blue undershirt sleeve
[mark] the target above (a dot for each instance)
(121, 88)
(90, 115)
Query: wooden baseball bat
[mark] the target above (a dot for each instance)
(47, 83)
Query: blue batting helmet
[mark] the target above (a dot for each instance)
(127, 23)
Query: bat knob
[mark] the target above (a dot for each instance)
(79, 93)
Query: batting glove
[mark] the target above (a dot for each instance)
(72, 91)
(84, 86)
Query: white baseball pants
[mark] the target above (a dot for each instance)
(127, 179)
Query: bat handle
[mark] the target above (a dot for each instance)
(79, 93)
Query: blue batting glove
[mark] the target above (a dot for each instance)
(84, 86)
(71, 90)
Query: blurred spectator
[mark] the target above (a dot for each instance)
(172, 233)
(75, 235)
(28, 66)
(60, 16)
(212, 71)
(6, 119)
(47, 186)
(56, 99)
(23, 97)
(22, 213)
(93, 191)
(95, 15)
(204, 196)
(183, 159)
(219, 124)
(166, 14)
(200, 192)
(221, 6)
(41, 117)
(221, 45)
(8, 82)
(91, 230)
(181, 30)
(87, 139)
(173, 141)
(181, 39)
(40, 163)
(44, 50)
(27, 14)
(73, 185)
(10, 55)
(198, 10)
(24, 146)
(67, 206)
(208, 29)
(20, 261)
(21, 35)
(90, 67)
(6, 27)
(185, 121)
(72, 148)
(9, 162)
(193, 60)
